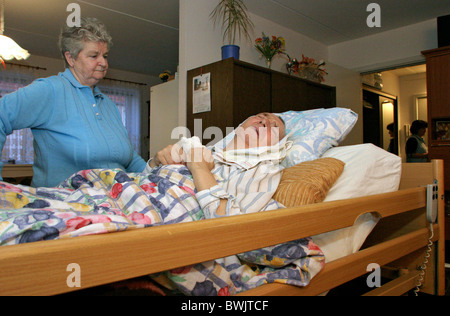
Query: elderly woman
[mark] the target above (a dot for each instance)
(242, 173)
(75, 126)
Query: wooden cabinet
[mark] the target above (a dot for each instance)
(438, 96)
(438, 92)
(240, 90)
(293, 93)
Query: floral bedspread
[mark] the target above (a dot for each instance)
(103, 201)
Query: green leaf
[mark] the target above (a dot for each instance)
(234, 18)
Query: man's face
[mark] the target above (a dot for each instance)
(264, 129)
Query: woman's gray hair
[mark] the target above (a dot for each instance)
(72, 39)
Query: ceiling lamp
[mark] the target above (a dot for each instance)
(8, 48)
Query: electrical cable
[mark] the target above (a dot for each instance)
(423, 267)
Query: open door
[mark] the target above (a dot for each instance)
(380, 110)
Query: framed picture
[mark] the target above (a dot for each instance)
(443, 130)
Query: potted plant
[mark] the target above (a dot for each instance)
(235, 24)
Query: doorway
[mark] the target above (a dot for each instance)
(421, 110)
(380, 111)
(406, 85)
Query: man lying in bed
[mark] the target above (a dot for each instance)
(239, 176)
(242, 173)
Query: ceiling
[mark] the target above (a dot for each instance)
(145, 32)
(411, 70)
(334, 21)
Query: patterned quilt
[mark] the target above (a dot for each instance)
(103, 201)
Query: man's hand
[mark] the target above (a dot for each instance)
(200, 157)
(170, 155)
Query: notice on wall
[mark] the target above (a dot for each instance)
(202, 93)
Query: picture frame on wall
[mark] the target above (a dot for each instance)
(443, 130)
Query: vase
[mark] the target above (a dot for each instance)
(269, 62)
(229, 51)
(309, 74)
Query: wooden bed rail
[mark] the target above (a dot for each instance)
(41, 268)
(335, 273)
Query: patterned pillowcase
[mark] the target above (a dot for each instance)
(315, 131)
(308, 182)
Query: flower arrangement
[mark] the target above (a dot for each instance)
(307, 68)
(164, 76)
(270, 47)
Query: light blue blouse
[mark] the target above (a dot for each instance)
(74, 129)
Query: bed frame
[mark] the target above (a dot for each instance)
(398, 243)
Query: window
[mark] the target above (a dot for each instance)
(127, 100)
(18, 147)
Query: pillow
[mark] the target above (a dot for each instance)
(315, 131)
(368, 170)
(308, 182)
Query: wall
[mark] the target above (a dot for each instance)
(197, 44)
(348, 95)
(164, 115)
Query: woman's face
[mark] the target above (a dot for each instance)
(264, 129)
(91, 64)
(422, 132)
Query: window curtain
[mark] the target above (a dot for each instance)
(127, 97)
(18, 147)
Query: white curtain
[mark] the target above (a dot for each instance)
(127, 97)
(18, 147)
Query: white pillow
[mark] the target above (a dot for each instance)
(368, 170)
(315, 131)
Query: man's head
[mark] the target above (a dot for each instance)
(264, 129)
